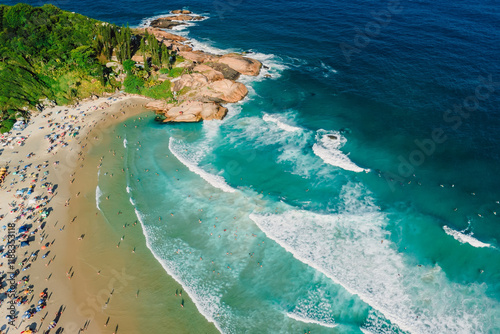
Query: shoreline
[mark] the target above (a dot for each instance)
(67, 300)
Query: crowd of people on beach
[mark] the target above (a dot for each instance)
(28, 191)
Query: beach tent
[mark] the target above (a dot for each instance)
(24, 244)
(23, 228)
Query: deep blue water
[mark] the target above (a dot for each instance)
(412, 89)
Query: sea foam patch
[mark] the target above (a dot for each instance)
(217, 181)
(352, 248)
(282, 124)
(465, 238)
(327, 147)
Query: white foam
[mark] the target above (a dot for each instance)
(216, 181)
(276, 119)
(310, 321)
(272, 65)
(206, 46)
(131, 201)
(98, 194)
(465, 238)
(352, 247)
(328, 150)
(202, 304)
(328, 70)
(129, 190)
(125, 143)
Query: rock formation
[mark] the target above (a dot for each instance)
(168, 22)
(188, 111)
(208, 79)
(210, 73)
(180, 11)
(243, 65)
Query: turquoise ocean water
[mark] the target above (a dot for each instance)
(348, 193)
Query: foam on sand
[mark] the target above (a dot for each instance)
(465, 238)
(216, 181)
(328, 149)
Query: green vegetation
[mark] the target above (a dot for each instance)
(173, 72)
(46, 52)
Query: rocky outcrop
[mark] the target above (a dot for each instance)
(226, 71)
(168, 22)
(222, 91)
(194, 80)
(165, 24)
(160, 34)
(182, 17)
(171, 41)
(241, 64)
(208, 79)
(181, 11)
(188, 111)
(210, 73)
(198, 56)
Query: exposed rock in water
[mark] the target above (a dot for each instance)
(188, 111)
(241, 64)
(165, 24)
(168, 22)
(332, 137)
(181, 11)
(182, 17)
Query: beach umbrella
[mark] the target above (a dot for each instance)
(52, 324)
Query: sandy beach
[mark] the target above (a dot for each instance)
(78, 273)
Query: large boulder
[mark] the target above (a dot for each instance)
(223, 91)
(194, 80)
(188, 111)
(226, 71)
(197, 56)
(210, 73)
(243, 65)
